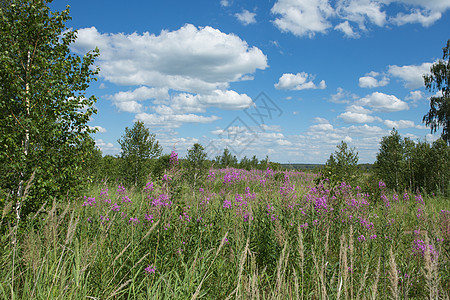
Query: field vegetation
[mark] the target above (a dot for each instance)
(258, 234)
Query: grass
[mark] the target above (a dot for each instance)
(243, 235)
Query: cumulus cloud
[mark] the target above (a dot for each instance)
(347, 29)
(399, 124)
(129, 106)
(355, 117)
(106, 147)
(411, 75)
(173, 120)
(140, 94)
(342, 96)
(189, 59)
(299, 81)
(370, 81)
(303, 17)
(309, 17)
(383, 102)
(246, 17)
(195, 64)
(99, 129)
(426, 18)
(230, 100)
(361, 11)
(415, 96)
(225, 3)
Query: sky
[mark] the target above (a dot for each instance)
(287, 79)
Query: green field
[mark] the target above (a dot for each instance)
(242, 235)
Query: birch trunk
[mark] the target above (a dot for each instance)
(26, 140)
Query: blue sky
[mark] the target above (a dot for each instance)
(288, 78)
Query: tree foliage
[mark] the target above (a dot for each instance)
(342, 166)
(404, 164)
(196, 164)
(43, 107)
(390, 160)
(438, 81)
(138, 148)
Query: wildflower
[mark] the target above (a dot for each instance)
(121, 189)
(90, 201)
(372, 237)
(211, 175)
(89, 219)
(419, 199)
(115, 207)
(173, 160)
(150, 269)
(361, 238)
(125, 199)
(420, 247)
(133, 221)
(226, 203)
(381, 185)
(149, 187)
(148, 218)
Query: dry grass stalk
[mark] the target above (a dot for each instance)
(321, 289)
(119, 288)
(431, 271)
(295, 283)
(281, 269)
(352, 250)
(197, 292)
(393, 275)
(377, 278)
(301, 251)
(32, 246)
(362, 283)
(344, 265)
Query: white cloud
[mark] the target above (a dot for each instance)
(184, 102)
(354, 117)
(411, 75)
(342, 96)
(129, 106)
(246, 17)
(189, 59)
(347, 30)
(426, 18)
(369, 81)
(100, 129)
(383, 102)
(140, 94)
(308, 17)
(173, 120)
(299, 81)
(106, 147)
(320, 120)
(303, 17)
(225, 3)
(361, 11)
(358, 109)
(399, 124)
(415, 96)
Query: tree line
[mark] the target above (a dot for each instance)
(401, 164)
(141, 158)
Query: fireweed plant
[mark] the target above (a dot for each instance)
(242, 234)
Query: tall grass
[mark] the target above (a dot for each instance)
(243, 235)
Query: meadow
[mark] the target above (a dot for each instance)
(239, 235)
